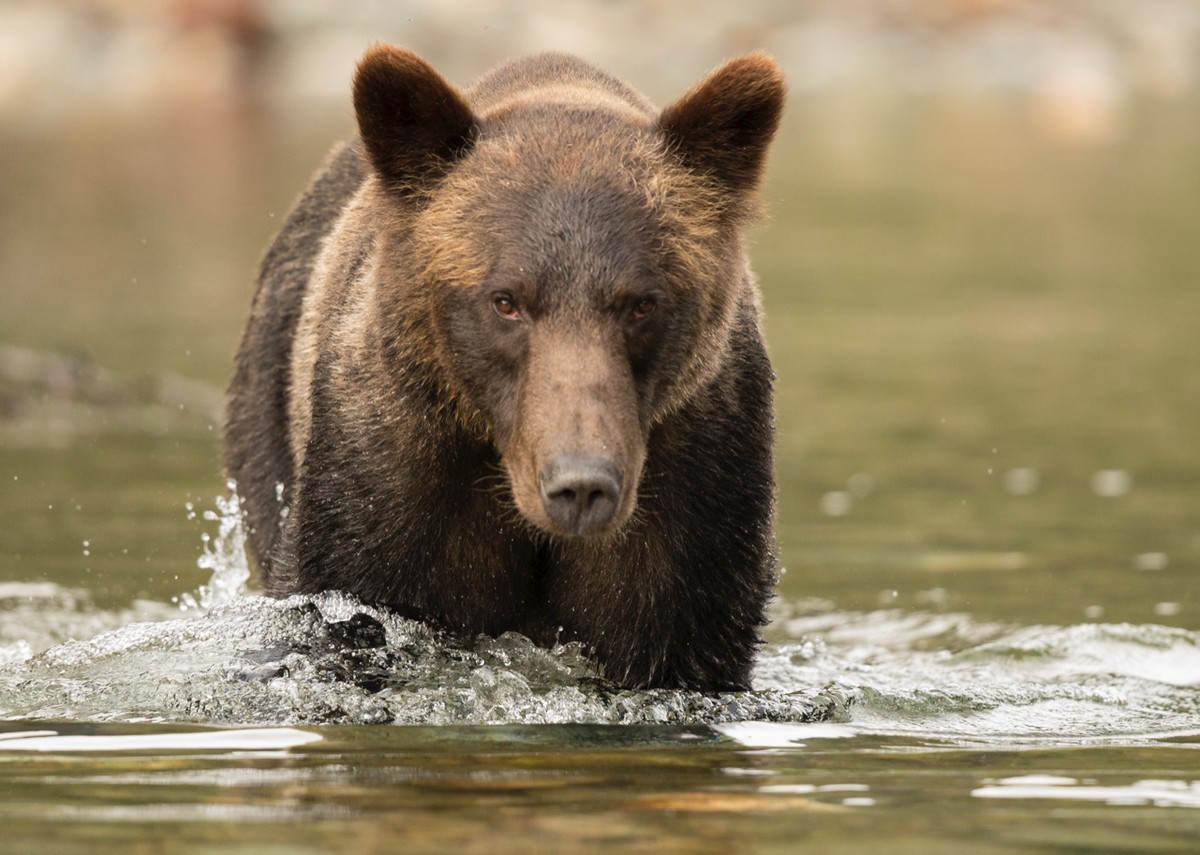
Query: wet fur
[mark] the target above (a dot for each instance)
(406, 429)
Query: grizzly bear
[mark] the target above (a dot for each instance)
(504, 368)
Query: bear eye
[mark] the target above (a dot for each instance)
(506, 306)
(643, 308)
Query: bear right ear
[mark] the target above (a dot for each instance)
(723, 126)
(412, 122)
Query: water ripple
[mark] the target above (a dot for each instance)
(330, 658)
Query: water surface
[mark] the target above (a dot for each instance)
(987, 628)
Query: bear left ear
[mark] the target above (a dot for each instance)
(723, 126)
(412, 122)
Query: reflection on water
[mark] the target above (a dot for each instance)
(1139, 793)
(268, 739)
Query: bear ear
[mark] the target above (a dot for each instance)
(412, 122)
(722, 127)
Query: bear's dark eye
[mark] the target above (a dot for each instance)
(506, 306)
(643, 308)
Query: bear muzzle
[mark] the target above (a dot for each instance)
(580, 492)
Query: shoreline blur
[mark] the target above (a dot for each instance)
(1077, 66)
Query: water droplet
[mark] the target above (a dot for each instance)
(1150, 561)
(1021, 480)
(932, 597)
(860, 485)
(1111, 483)
(835, 503)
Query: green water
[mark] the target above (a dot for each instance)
(989, 398)
(583, 789)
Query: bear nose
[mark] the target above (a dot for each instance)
(580, 492)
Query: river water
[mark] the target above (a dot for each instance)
(988, 625)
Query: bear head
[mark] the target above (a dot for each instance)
(577, 257)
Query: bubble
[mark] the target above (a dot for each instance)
(932, 597)
(1150, 561)
(836, 503)
(1021, 480)
(1093, 612)
(1111, 483)
(1167, 609)
(860, 485)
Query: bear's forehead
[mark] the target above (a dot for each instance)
(578, 141)
(550, 234)
(590, 197)
(560, 176)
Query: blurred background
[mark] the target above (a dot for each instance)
(980, 273)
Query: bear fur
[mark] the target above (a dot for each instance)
(504, 368)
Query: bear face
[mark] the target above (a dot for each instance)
(578, 255)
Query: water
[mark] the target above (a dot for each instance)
(864, 729)
(332, 659)
(885, 729)
(240, 659)
(986, 634)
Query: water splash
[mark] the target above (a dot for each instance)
(951, 678)
(35, 616)
(224, 556)
(330, 658)
(240, 659)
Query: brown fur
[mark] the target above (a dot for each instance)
(432, 451)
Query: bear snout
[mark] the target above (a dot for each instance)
(580, 492)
